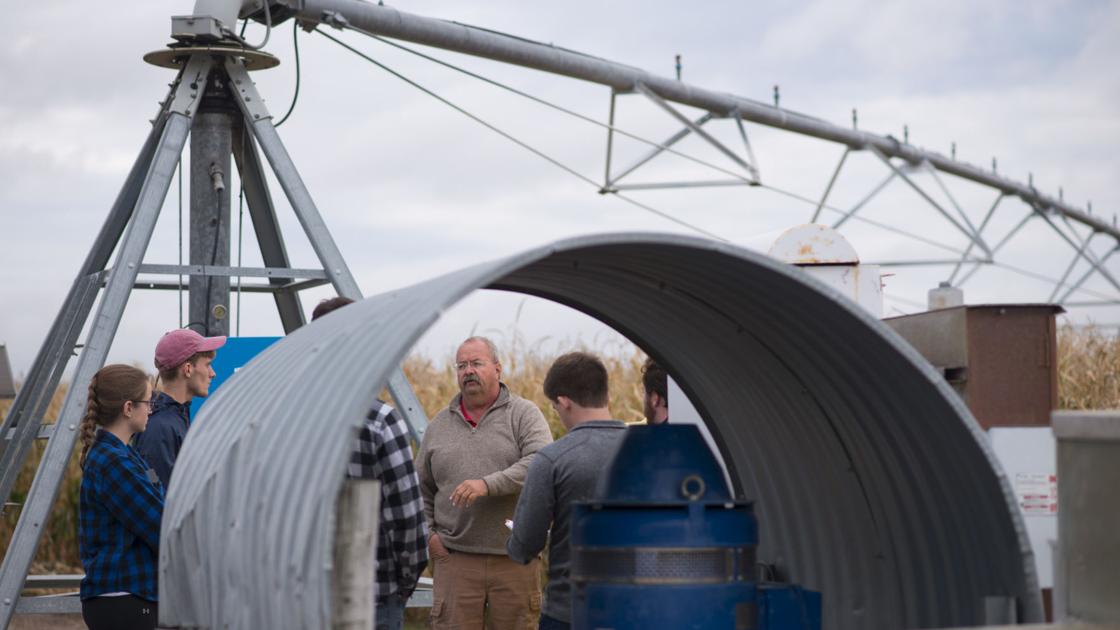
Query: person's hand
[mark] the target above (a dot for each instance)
(435, 547)
(467, 492)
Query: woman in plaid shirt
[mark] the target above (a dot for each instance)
(120, 504)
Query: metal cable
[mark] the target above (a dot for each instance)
(872, 222)
(240, 231)
(267, 32)
(295, 96)
(787, 193)
(559, 108)
(520, 143)
(649, 142)
(180, 180)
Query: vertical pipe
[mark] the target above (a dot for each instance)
(211, 149)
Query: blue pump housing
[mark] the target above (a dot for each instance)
(665, 545)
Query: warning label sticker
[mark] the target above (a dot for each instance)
(1037, 493)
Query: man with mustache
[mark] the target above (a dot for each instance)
(472, 465)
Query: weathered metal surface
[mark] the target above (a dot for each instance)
(814, 244)
(826, 255)
(1086, 578)
(1001, 358)
(872, 483)
(210, 216)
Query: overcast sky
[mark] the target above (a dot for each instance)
(412, 189)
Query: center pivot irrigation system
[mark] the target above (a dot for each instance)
(1092, 239)
(976, 246)
(214, 102)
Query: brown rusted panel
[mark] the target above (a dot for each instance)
(1001, 359)
(1012, 365)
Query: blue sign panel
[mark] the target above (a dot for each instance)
(237, 352)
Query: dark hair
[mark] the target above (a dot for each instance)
(170, 375)
(580, 376)
(654, 379)
(329, 305)
(109, 390)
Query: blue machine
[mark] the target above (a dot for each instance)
(666, 546)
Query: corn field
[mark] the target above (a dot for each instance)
(1088, 378)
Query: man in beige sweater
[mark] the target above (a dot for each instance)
(472, 464)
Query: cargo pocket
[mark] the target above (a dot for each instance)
(437, 612)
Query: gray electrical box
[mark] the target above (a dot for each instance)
(7, 381)
(195, 28)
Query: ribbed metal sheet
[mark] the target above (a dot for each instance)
(871, 482)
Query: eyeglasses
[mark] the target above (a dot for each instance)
(476, 364)
(146, 402)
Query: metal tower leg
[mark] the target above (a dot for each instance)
(121, 278)
(265, 224)
(25, 417)
(259, 121)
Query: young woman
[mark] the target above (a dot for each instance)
(120, 505)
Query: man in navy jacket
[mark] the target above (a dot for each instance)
(183, 359)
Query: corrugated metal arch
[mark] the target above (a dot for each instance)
(872, 483)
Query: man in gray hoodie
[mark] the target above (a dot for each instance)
(472, 464)
(563, 473)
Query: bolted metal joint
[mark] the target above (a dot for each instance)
(334, 19)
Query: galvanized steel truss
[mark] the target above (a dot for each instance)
(902, 159)
(128, 230)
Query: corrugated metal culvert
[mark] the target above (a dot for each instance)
(871, 483)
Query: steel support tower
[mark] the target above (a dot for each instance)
(215, 103)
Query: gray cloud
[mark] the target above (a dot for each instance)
(413, 189)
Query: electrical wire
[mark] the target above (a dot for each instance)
(522, 144)
(267, 33)
(670, 150)
(180, 180)
(559, 108)
(240, 232)
(787, 193)
(295, 96)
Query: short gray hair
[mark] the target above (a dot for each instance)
(489, 346)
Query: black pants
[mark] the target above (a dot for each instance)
(126, 612)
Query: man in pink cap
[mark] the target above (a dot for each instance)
(183, 359)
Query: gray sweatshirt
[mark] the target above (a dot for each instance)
(562, 473)
(498, 452)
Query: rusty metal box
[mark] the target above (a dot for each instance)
(1001, 358)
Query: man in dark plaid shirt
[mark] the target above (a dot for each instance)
(384, 453)
(121, 505)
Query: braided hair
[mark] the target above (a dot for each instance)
(109, 390)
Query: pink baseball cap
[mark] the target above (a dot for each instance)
(179, 345)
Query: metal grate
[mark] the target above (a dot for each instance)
(653, 565)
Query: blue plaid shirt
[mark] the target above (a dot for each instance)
(118, 521)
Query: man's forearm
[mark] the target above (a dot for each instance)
(510, 480)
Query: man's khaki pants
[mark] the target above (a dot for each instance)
(468, 586)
